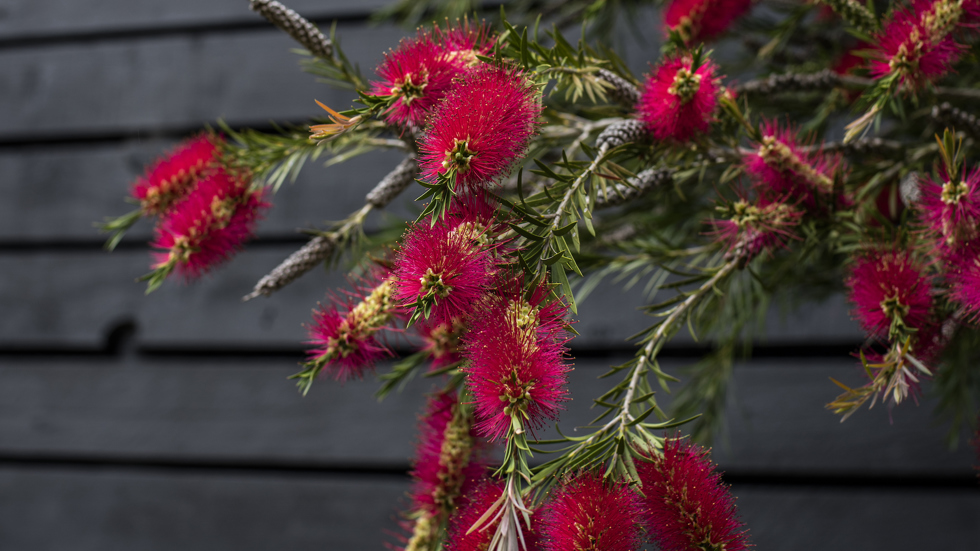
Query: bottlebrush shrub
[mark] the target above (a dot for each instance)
(539, 174)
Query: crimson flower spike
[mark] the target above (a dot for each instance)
(207, 227)
(517, 370)
(482, 127)
(343, 336)
(679, 99)
(687, 505)
(701, 20)
(892, 296)
(585, 512)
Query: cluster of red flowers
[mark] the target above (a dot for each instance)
(684, 505)
(917, 45)
(450, 273)
(206, 212)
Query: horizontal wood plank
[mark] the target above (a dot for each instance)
(47, 510)
(54, 18)
(53, 509)
(76, 298)
(171, 82)
(244, 410)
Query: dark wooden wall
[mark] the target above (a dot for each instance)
(165, 422)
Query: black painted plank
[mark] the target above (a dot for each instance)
(791, 519)
(75, 298)
(58, 194)
(243, 411)
(104, 510)
(144, 510)
(170, 82)
(37, 19)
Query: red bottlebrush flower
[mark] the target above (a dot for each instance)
(171, 178)
(448, 458)
(963, 274)
(951, 210)
(475, 213)
(209, 225)
(537, 310)
(478, 500)
(420, 73)
(917, 46)
(890, 293)
(687, 504)
(511, 371)
(344, 340)
(751, 229)
(482, 127)
(441, 272)
(784, 171)
(701, 20)
(679, 102)
(441, 341)
(586, 513)
(464, 41)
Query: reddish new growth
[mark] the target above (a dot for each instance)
(344, 341)
(171, 178)
(782, 170)
(482, 127)
(586, 514)
(441, 272)
(916, 45)
(701, 20)
(209, 225)
(419, 74)
(687, 505)
(890, 293)
(678, 101)
(478, 501)
(446, 460)
(951, 210)
(515, 371)
(752, 229)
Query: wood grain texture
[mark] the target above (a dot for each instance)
(171, 82)
(97, 510)
(75, 298)
(52, 18)
(245, 411)
(44, 509)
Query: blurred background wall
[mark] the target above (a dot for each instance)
(166, 422)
